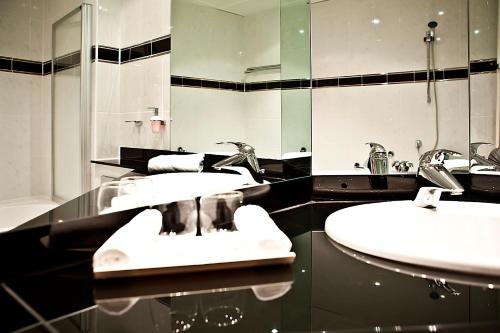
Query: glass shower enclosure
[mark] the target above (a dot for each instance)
(71, 106)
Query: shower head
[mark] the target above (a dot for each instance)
(432, 24)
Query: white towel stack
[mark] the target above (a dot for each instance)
(255, 224)
(131, 241)
(176, 163)
(138, 245)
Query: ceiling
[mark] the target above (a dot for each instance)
(240, 7)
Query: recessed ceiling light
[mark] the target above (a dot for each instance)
(301, 31)
(441, 13)
(376, 21)
(477, 31)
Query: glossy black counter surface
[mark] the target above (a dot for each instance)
(331, 292)
(275, 170)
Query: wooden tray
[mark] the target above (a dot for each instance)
(137, 271)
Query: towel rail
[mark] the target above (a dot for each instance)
(262, 68)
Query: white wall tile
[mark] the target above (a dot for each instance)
(344, 119)
(345, 41)
(483, 110)
(137, 17)
(16, 99)
(202, 117)
(21, 24)
(211, 48)
(261, 47)
(483, 29)
(262, 121)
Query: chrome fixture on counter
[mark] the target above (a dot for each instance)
(378, 162)
(474, 155)
(246, 153)
(431, 167)
(402, 166)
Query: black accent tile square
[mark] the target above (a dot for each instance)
(290, 84)
(374, 79)
(274, 85)
(330, 82)
(108, 54)
(47, 67)
(347, 81)
(125, 55)
(421, 76)
(140, 51)
(161, 45)
(483, 66)
(5, 64)
(210, 84)
(459, 73)
(176, 80)
(439, 75)
(92, 53)
(240, 86)
(75, 59)
(314, 83)
(191, 82)
(253, 86)
(27, 66)
(228, 85)
(305, 83)
(400, 77)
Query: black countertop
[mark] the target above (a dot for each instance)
(331, 292)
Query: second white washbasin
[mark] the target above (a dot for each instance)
(457, 236)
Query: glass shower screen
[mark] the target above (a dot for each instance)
(70, 104)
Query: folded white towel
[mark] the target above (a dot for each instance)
(256, 224)
(130, 241)
(176, 163)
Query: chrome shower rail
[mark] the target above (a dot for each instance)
(262, 68)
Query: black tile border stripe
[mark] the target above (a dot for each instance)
(148, 49)
(483, 66)
(460, 73)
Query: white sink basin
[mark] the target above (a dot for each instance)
(457, 236)
(171, 187)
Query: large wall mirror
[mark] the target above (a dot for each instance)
(484, 112)
(241, 72)
(398, 75)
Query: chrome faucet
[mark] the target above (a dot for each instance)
(474, 155)
(378, 162)
(431, 167)
(245, 155)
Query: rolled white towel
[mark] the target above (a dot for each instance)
(256, 224)
(130, 240)
(176, 163)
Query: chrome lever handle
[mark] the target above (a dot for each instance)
(376, 147)
(437, 156)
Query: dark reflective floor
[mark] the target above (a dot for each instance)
(331, 292)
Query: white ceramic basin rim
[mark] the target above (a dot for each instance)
(458, 236)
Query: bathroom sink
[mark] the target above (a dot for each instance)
(171, 187)
(456, 236)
